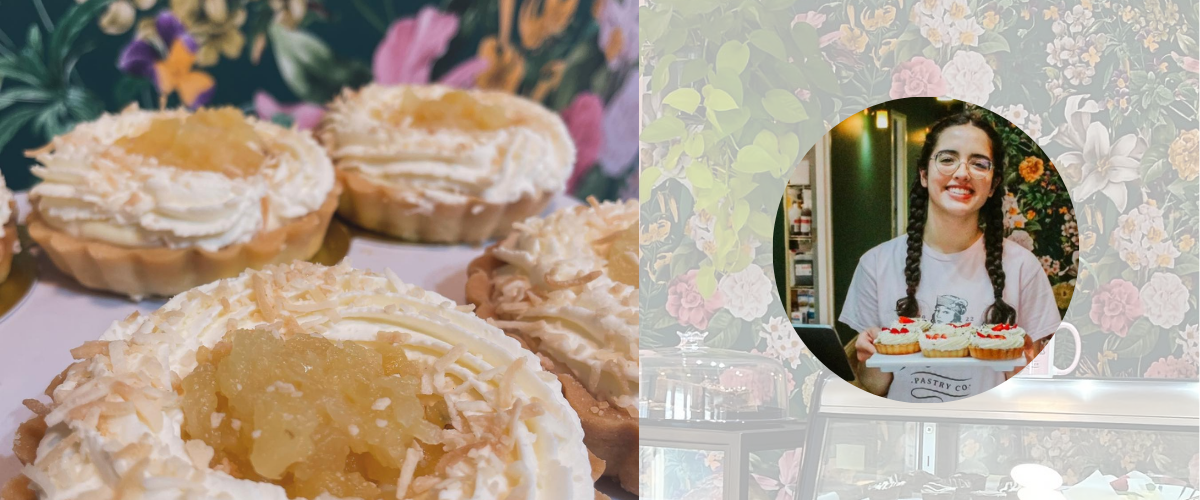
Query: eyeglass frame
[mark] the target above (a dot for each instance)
(959, 161)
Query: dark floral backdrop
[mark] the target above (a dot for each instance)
(1038, 213)
(64, 63)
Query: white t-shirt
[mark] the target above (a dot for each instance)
(954, 288)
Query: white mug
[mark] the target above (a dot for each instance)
(1042, 365)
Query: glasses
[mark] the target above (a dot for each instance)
(947, 163)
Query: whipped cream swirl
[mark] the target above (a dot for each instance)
(93, 189)
(945, 338)
(898, 336)
(582, 317)
(115, 426)
(530, 155)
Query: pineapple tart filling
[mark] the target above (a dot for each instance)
(306, 381)
(314, 415)
(454, 109)
(187, 142)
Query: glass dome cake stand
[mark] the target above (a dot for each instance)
(711, 408)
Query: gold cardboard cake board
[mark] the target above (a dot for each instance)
(21, 277)
(336, 244)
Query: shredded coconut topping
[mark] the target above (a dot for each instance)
(510, 431)
(555, 287)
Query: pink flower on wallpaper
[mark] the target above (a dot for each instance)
(304, 116)
(413, 44)
(812, 17)
(789, 476)
(585, 119)
(918, 77)
(1171, 367)
(686, 304)
(1115, 306)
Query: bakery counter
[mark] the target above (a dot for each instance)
(1082, 439)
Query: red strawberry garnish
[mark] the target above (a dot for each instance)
(905, 320)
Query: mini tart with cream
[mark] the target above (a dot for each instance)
(8, 229)
(305, 381)
(899, 340)
(945, 341)
(998, 342)
(567, 287)
(437, 164)
(158, 202)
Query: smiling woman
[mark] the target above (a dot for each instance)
(953, 266)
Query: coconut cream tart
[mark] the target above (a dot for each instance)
(567, 287)
(305, 381)
(157, 202)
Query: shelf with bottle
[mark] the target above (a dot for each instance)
(803, 302)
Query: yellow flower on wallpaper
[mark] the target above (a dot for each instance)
(879, 18)
(552, 75)
(505, 69)
(1062, 294)
(990, 19)
(1184, 154)
(539, 20)
(1186, 242)
(957, 10)
(1087, 241)
(1031, 168)
(175, 74)
(1051, 13)
(853, 38)
(217, 30)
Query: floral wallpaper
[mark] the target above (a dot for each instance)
(1038, 213)
(1076, 453)
(283, 59)
(732, 92)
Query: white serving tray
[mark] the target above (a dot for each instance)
(57, 315)
(893, 362)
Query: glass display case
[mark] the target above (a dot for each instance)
(707, 416)
(1101, 439)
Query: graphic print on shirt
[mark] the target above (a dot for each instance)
(927, 386)
(950, 309)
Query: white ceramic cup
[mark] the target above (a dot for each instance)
(1042, 366)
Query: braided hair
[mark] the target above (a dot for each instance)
(991, 223)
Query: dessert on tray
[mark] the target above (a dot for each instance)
(903, 337)
(998, 342)
(945, 341)
(157, 202)
(567, 287)
(306, 381)
(435, 164)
